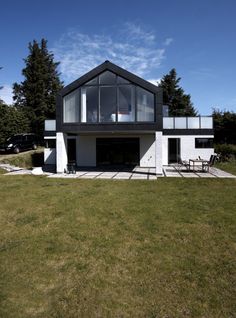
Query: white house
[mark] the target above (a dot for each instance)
(110, 116)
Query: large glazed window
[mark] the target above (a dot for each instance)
(71, 107)
(126, 103)
(89, 104)
(108, 98)
(107, 104)
(145, 105)
(107, 78)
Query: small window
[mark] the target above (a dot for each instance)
(50, 143)
(204, 143)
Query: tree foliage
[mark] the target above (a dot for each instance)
(224, 126)
(173, 95)
(36, 95)
(12, 121)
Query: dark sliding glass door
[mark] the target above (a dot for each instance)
(71, 150)
(117, 151)
(173, 150)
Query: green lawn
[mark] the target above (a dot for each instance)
(2, 171)
(26, 159)
(96, 248)
(229, 166)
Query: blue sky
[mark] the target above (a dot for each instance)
(148, 38)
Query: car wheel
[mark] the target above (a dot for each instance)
(16, 150)
(34, 147)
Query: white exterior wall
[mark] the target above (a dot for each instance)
(50, 156)
(61, 153)
(158, 148)
(86, 151)
(153, 150)
(187, 148)
(147, 151)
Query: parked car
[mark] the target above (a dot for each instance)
(20, 142)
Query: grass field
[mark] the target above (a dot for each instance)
(229, 166)
(26, 159)
(2, 171)
(91, 248)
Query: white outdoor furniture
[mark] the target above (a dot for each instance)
(196, 163)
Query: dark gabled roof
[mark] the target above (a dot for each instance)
(108, 66)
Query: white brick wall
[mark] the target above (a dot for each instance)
(187, 148)
(147, 151)
(86, 150)
(159, 156)
(153, 150)
(61, 153)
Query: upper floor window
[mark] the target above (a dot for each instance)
(145, 105)
(89, 104)
(109, 98)
(71, 107)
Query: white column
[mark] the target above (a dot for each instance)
(158, 135)
(83, 106)
(61, 156)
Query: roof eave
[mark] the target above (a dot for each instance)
(107, 65)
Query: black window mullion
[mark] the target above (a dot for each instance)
(135, 104)
(117, 102)
(98, 115)
(79, 105)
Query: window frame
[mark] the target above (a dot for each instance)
(209, 143)
(117, 84)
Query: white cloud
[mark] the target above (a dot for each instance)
(132, 48)
(6, 94)
(168, 41)
(136, 32)
(155, 81)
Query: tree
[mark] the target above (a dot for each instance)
(36, 95)
(173, 95)
(224, 126)
(12, 121)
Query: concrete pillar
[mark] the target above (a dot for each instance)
(61, 156)
(158, 138)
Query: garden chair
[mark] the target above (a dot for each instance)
(206, 165)
(71, 168)
(181, 164)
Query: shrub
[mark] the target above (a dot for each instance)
(226, 151)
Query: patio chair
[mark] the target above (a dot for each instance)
(182, 163)
(71, 168)
(206, 165)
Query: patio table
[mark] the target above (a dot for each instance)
(194, 161)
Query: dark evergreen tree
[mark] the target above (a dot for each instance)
(36, 95)
(173, 95)
(12, 121)
(224, 126)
